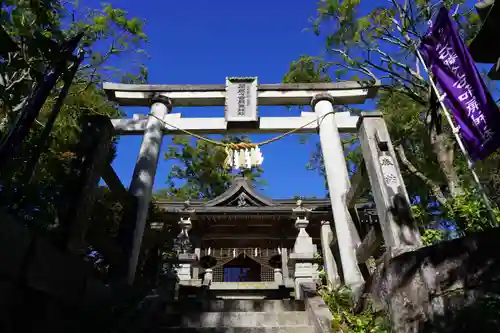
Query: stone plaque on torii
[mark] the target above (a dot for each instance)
(240, 97)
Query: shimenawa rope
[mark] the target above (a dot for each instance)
(241, 145)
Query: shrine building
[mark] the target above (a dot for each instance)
(242, 236)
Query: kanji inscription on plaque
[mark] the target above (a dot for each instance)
(241, 99)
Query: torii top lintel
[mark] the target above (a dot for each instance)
(346, 92)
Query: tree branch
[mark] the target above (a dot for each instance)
(387, 58)
(359, 68)
(435, 188)
(395, 41)
(395, 74)
(24, 74)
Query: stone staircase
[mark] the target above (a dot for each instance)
(235, 316)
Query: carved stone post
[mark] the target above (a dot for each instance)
(183, 245)
(338, 186)
(391, 199)
(328, 259)
(141, 186)
(303, 250)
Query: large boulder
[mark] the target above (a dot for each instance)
(453, 286)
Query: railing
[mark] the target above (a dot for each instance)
(225, 255)
(266, 274)
(234, 252)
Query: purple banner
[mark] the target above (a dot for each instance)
(468, 99)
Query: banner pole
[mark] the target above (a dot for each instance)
(456, 131)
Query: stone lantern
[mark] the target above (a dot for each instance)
(183, 246)
(303, 250)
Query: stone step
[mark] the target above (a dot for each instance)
(297, 329)
(239, 296)
(237, 305)
(282, 293)
(246, 286)
(237, 319)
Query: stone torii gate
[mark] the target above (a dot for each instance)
(241, 96)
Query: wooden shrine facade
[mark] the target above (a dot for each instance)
(248, 234)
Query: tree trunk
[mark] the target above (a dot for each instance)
(444, 149)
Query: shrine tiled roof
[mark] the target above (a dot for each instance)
(240, 194)
(242, 198)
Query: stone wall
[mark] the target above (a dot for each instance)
(318, 312)
(453, 286)
(44, 290)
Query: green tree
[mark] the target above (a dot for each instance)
(108, 33)
(198, 172)
(381, 45)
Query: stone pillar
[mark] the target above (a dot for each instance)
(196, 269)
(278, 276)
(207, 278)
(328, 259)
(338, 186)
(141, 186)
(284, 263)
(389, 191)
(303, 250)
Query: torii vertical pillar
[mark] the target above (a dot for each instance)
(338, 185)
(141, 186)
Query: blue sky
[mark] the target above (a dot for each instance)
(196, 42)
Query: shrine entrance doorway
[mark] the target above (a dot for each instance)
(242, 269)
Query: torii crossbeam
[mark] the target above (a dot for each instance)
(215, 95)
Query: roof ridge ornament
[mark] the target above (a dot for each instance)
(243, 200)
(231, 196)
